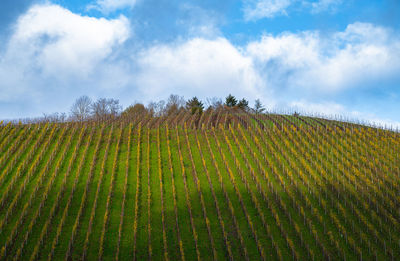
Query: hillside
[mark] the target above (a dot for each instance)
(223, 185)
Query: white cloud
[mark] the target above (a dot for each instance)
(309, 61)
(255, 10)
(201, 67)
(52, 49)
(258, 9)
(58, 41)
(109, 6)
(325, 108)
(324, 5)
(200, 22)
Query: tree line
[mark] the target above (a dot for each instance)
(102, 109)
(85, 109)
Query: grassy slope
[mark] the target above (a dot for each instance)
(282, 186)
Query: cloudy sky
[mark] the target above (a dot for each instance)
(323, 56)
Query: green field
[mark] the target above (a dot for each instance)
(219, 186)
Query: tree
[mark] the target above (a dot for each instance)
(114, 107)
(80, 110)
(174, 104)
(105, 107)
(99, 108)
(214, 103)
(54, 117)
(230, 101)
(194, 105)
(243, 104)
(135, 110)
(258, 107)
(156, 108)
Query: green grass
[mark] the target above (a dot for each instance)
(316, 180)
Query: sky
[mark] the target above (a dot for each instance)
(330, 57)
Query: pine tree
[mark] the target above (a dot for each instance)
(194, 105)
(243, 104)
(230, 101)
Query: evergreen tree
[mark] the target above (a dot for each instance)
(194, 105)
(243, 104)
(230, 101)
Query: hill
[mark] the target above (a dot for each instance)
(220, 185)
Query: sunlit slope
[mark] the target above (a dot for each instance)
(216, 186)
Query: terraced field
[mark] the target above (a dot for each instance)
(223, 185)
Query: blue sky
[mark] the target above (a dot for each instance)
(324, 56)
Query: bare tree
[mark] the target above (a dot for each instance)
(258, 107)
(174, 104)
(152, 108)
(99, 108)
(63, 117)
(105, 107)
(214, 102)
(80, 110)
(156, 108)
(54, 117)
(114, 107)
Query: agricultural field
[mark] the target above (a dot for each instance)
(215, 186)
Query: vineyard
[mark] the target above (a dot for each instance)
(221, 185)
